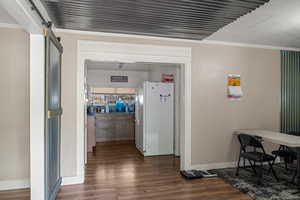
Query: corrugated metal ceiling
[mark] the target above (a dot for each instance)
(187, 19)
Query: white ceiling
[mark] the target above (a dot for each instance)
(140, 66)
(276, 23)
(5, 18)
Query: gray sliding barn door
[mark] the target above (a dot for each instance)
(52, 115)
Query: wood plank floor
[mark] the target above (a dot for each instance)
(118, 172)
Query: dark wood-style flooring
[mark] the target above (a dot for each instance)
(117, 171)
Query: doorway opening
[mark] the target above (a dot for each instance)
(121, 53)
(133, 103)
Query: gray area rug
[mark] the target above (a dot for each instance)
(270, 189)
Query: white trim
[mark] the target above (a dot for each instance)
(14, 184)
(37, 116)
(122, 52)
(71, 31)
(7, 25)
(214, 166)
(223, 165)
(178, 54)
(21, 11)
(72, 180)
(205, 41)
(258, 46)
(7, 5)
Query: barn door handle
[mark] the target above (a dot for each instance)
(53, 113)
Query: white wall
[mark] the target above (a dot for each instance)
(213, 116)
(101, 78)
(14, 108)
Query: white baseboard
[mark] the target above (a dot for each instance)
(25, 183)
(14, 184)
(214, 166)
(112, 139)
(222, 165)
(72, 180)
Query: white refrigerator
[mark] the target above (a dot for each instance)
(154, 133)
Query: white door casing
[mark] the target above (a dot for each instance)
(123, 52)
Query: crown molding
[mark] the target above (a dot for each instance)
(215, 42)
(107, 34)
(187, 41)
(237, 44)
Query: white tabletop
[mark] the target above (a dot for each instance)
(273, 137)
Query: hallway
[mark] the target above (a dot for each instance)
(117, 171)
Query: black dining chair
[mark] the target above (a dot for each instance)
(288, 154)
(257, 154)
